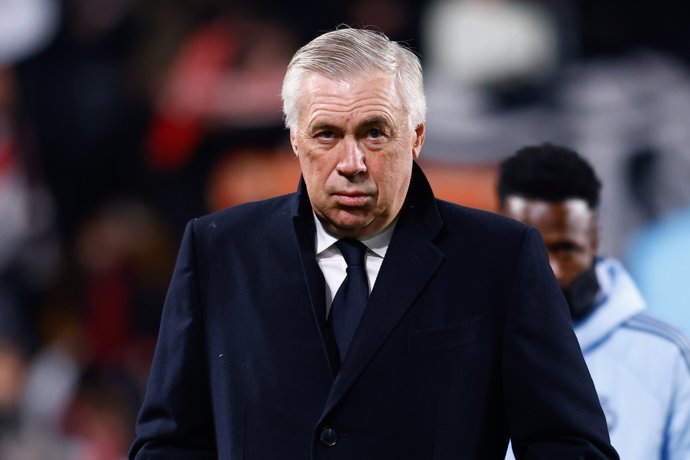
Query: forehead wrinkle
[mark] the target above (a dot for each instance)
(341, 97)
(375, 120)
(364, 112)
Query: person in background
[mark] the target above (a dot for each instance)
(361, 318)
(640, 365)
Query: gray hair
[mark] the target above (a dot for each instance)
(347, 53)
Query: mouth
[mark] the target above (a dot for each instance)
(351, 199)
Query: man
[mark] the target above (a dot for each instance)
(640, 365)
(360, 318)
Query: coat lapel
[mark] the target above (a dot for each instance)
(411, 261)
(305, 233)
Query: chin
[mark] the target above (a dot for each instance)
(350, 227)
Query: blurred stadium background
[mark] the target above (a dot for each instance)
(120, 120)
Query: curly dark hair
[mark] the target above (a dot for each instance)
(548, 172)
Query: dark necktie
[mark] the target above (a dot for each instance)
(351, 299)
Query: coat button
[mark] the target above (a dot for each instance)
(329, 437)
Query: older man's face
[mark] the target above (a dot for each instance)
(355, 150)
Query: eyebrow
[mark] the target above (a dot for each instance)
(375, 121)
(322, 127)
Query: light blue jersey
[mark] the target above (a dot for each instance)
(641, 370)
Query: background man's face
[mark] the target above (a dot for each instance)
(568, 229)
(355, 149)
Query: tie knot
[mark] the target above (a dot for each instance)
(352, 250)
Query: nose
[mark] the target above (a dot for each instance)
(352, 160)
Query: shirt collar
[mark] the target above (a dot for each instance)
(378, 244)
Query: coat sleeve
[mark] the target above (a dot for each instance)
(175, 420)
(552, 407)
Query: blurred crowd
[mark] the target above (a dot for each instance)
(120, 120)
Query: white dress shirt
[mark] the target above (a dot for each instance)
(333, 265)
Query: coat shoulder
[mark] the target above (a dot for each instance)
(249, 218)
(477, 223)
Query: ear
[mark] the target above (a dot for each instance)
(419, 133)
(293, 142)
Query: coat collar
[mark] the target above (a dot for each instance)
(619, 301)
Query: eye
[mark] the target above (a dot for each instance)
(565, 249)
(375, 133)
(326, 135)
